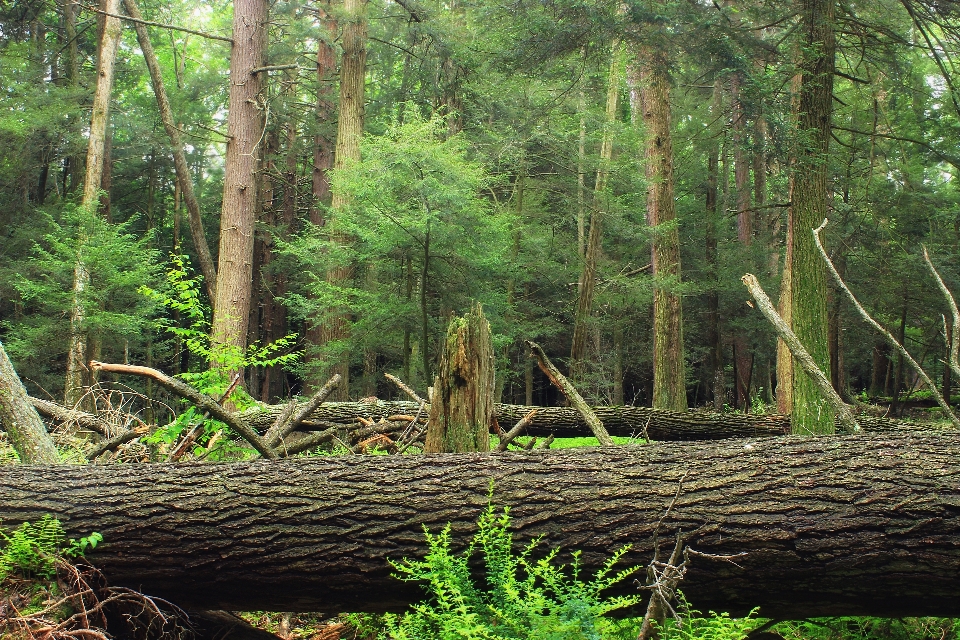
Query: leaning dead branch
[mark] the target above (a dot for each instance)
(403, 387)
(570, 392)
(114, 442)
(64, 415)
(947, 410)
(516, 431)
(281, 429)
(954, 345)
(801, 356)
(201, 401)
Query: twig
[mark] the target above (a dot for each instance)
(801, 356)
(948, 411)
(568, 390)
(546, 442)
(198, 399)
(410, 392)
(516, 431)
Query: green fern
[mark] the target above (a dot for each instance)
(32, 549)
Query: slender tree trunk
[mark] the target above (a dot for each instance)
(77, 354)
(245, 130)
(808, 199)
(184, 179)
(669, 384)
(588, 276)
(335, 327)
(714, 369)
(741, 173)
(948, 336)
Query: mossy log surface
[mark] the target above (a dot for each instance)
(842, 525)
(567, 421)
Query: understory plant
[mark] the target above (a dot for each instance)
(33, 549)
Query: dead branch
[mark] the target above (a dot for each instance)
(161, 25)
(546, 442)
(204, 402)
(116, 441)
(954, 345)
(282, 429)
(64, 415)
(516, 431)
(801, 356)
(948, 411)
(568, 390)
(403, 387)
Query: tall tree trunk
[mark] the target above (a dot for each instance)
(99, 120)
(741, 179)
(588, 276)
(462, 407)
(669, 384)
(860, 525)
(810, 169)
(184, 179)
(335, 327)
(714, 369)
(245, 128)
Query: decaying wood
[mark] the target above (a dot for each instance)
(571, 394)
(407, 390)
(114, 442)
(947, 409)
(800, 355)
(843, 525)
(519, 428)
(201, 401)
(63, 415)
(462, 407)
(567, 422)
(20, 420)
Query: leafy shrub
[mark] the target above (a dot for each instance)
(32, 549)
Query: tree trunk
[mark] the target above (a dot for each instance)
(245, 129)
(743, 358)
(184, 179)
(810, 169)
(669, 384)
(335, 327)
(20, 420)
(860, 525)
(77, 353)
(588, 276)
(567, 421)
(714, 378)
(462, 407)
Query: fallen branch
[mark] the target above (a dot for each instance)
(113, 443)
(947, 410)
(516, 431)
(283, 428)
(403, 387)
(568, 390)
(66, 416)
(201, 401)
(801, 356)
(954, 343)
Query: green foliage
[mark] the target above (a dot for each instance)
(524, 597)
(32, 549)
(850, 628)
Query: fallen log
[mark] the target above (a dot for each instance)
(845, 525)
(566, 421)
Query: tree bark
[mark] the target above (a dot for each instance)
(184, 179)
(847, 525)
(809, 188)
(462, 407)
(245, 129)
(568, 422)
(20, 420)
(669, 383)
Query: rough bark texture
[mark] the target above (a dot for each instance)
(184, 179)
(809, 207)
(20, 420)
(831, 526)
(462, 406)
(669, 384)
(231, 311)
(568, 422)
